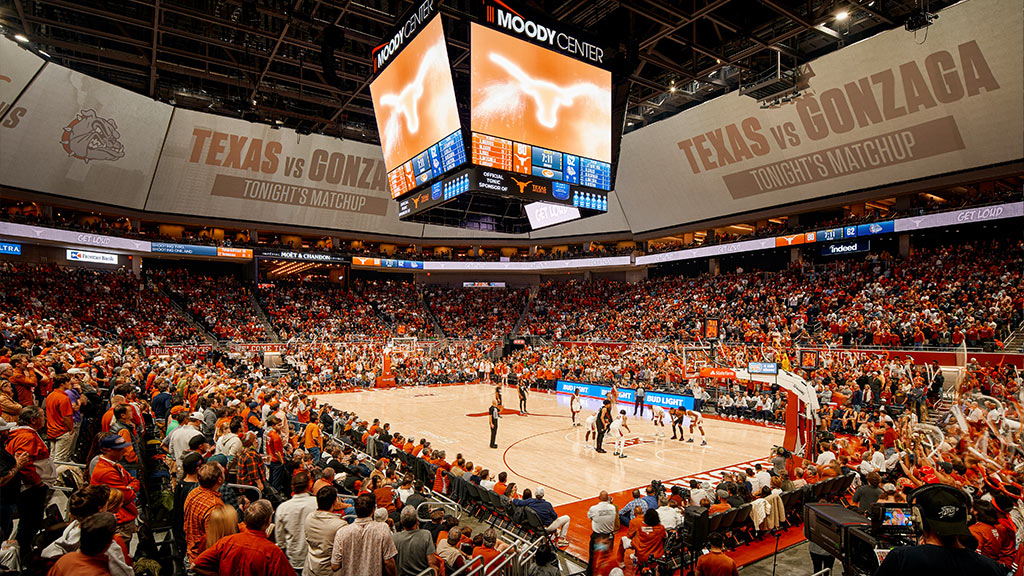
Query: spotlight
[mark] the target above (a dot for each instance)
(842, 15)
(21, 38)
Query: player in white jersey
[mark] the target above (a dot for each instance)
(658, 417)
(697, 420)
(618, 435)
(575, 405)
(591, 425)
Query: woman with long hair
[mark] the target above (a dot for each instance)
(223, 522)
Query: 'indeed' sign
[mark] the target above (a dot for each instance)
(846, 248)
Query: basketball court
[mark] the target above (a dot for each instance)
(543, 449)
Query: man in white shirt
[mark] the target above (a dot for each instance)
(290, 528)
(604, 519)
(176, 443)
(761, 479)
(669, 514)
(725, 405)
(826, 456)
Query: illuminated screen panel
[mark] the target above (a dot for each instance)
(538, 112)
(417, 117)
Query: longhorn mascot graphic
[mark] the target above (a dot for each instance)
(89, 137)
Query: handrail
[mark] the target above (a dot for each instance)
(247, 487)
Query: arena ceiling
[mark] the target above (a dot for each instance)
(261, 59)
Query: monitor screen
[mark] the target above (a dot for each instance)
(897, 518)
(538, 112)
(417, 117)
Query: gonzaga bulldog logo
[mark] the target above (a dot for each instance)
(89, 137)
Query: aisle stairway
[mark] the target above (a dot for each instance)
(210, 338)
(267, 326)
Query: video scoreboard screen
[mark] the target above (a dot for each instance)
(414, 103)
(537, 112)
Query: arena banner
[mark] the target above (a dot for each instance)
(534, 266)
(892, 108)
(229, 168)
(81, 137)
(663, 399)
(172, 349)
(968, 216)
(13, 230)
(20, 65)
(256, 347)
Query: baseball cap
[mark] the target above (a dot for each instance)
(540, 492)
(195, 416)
(944, 512)
(888, 487)
(114, 442)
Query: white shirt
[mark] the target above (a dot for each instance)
(602, 517)
(70, 541)
(616, 427)
(229, 445)
(291, 527)
(670, 517)
(825, 457)
(179, 439)
(574, 404)
(759, 481)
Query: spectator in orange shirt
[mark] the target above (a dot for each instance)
(109, 472)
(313, 438)
(721, 505)
(36, 476)
(646, 536)
(108, 416)
(199, 503)
(715, 562)
(60, 424)
(486, 551)
(24, 380)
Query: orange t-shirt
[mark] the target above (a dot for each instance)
(487, 554)
(988, 539)
(648, 541)
(313, 438)
(58, 407)
(716, 564)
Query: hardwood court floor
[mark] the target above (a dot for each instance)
(543, 449)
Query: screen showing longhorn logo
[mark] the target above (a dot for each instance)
(527, 93)
(414, 97)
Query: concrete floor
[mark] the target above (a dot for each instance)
(794, 561)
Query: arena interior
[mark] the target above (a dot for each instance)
(531, 288)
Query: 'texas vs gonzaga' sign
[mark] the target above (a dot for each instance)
(888, 109)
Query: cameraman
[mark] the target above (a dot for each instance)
(943, 524)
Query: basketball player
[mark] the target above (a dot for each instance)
(697, 420)
(523, 393)
(575, 404)
(613, 397)
(677, 416)
(591, 425)
(658, 417)
(620, 437)
(604, 418)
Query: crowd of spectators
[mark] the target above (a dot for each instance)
(319, 311)
(476, 313)
(331, 366)
(221, 304)
(968, 292)
(112, 304)
(101, 448)
(399, 302)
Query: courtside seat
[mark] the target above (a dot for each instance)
(715, 520)
(740, 523)
(727, 520)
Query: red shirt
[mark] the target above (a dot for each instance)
(487, 554)
(648, 541)
(25, 439)
(58, 409)
(275, 447)
(198, 505)
(248, 553)
(114, 475)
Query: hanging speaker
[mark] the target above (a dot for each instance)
(334, 39)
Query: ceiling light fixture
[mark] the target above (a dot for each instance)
(842, 15)
(21, 38)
